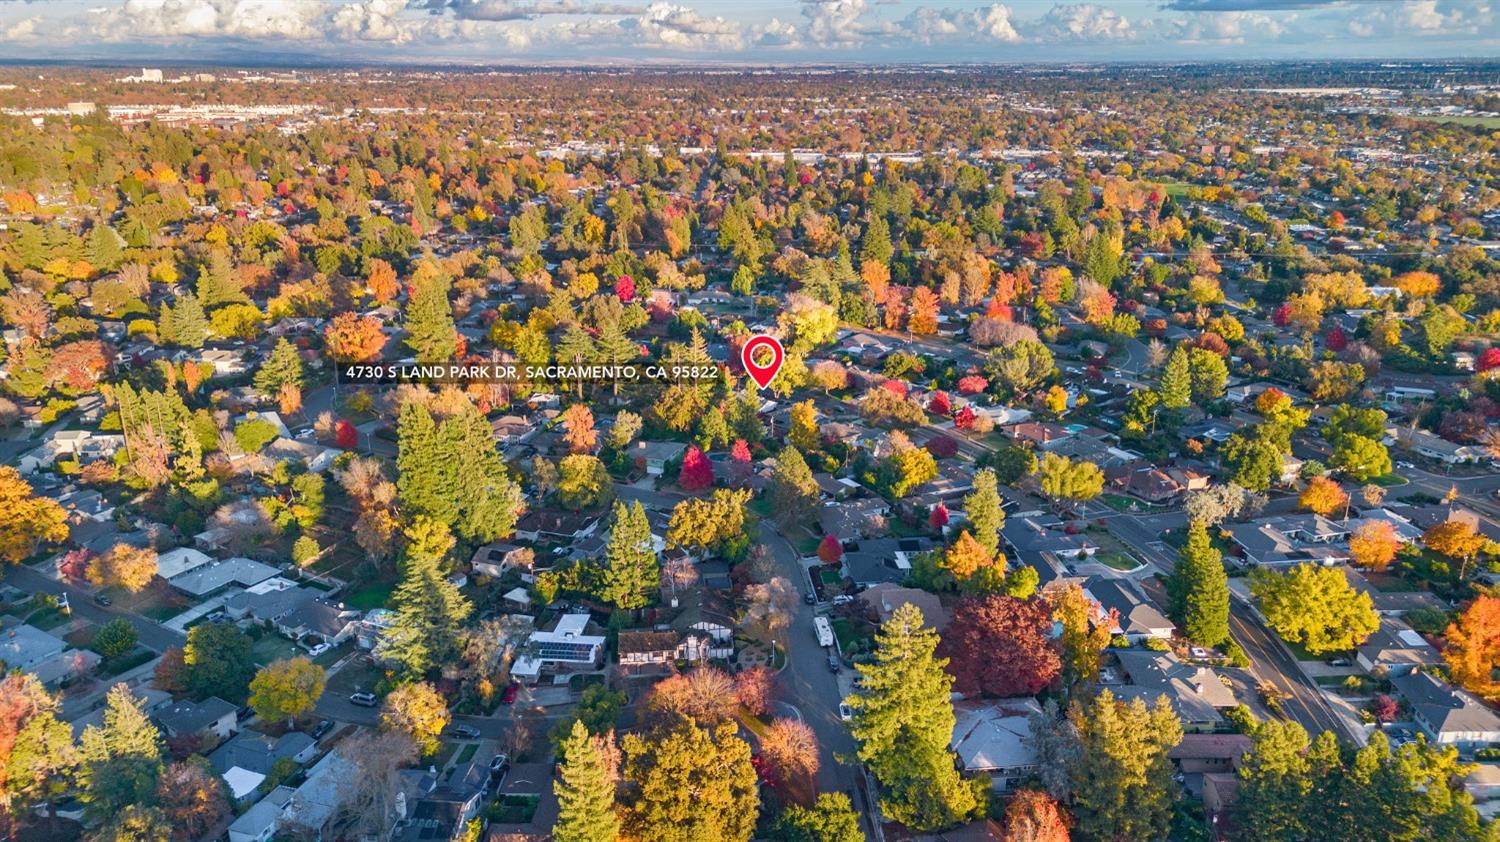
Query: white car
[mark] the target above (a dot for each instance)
(846, 713)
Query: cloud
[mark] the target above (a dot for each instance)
(24, 29)
(1080, 22)
(1229, 27)
(1420, 18)
(500, 10)
(836, 23)
(291, 20)
(928, 25)
(661, 26)
(1246, 5)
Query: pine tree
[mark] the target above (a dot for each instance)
(615, 347)
(903, 722)
(794, 492)
(1200, 590)
(121, 759)
(216, 283)
(429, 608)
(575, 348)
(1275, 782)
(282, 367)
(1177, 381)
(489, 502)
(982, 509)
(430, 332)
(185, 324)
(426, 479)
(105, 248)
(875, 246)
(632, 571)
(585, 792)
(1122, 777)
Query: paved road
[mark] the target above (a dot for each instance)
(152, 634)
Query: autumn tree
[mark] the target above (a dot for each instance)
(687, 783)
(697, 473)
(26, 520)
(417, 710)
(1315, 606)
(903, 721)
(1458, 540)
(352, 338)
(191, 796)
(831, 818)
(1374, 544)
(1034, 816)
(578, 422)
(124, 566)
(1063, 479)
(286, 689)
(1000, 646)
(1323, 496)
(705, 695)
(803, 430)
(37, 756)
(1086, 631)
(790, 750)
(1472, 645)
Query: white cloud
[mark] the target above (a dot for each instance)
(836, 23)
(1421, 18)
(292, 20)
(24, 29)
(1080, 22)
(1229, 27)
(928, 25)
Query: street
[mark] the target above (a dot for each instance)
(152, 634)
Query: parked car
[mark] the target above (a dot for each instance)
(1339, 662)
(499, 762)
(511, 691)
(843, 599)
(468, 732)
(322, 728)
(833, 663)
(103, 600)
(364, 699)
(810, 598)
(846, 713)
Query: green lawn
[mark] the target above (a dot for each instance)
(1117, 561)
(830, 576)
(47, 619)
(356, 676)
(273, 647)
(467, 754)
(370, 595)
(514, 809)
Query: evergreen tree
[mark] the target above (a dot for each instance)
(185, 324)
(632, 571)
(1275, 782)
(982, 508)
(830, 819)
(794, 492)
(743, 282)
(615, 347)
(1177, 381)
(489, 502)
(216, 283)
(1121, 776)
(105, 248)
(903, 722)
(875, 246)
(426, 474)
(430, 332)
(429, 608)
(121, 759)
(1199, 590)
(217, 661)
(585, 791)
(282, 367)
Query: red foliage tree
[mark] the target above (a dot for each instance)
(830, 550)
(896, 387)
(697, 472)
(942, 447)
(739, 463)
(939, 403)
(1033, 816)
(74, 564)
(1336, 340)
(1282, 316)
(964, 419)
(1489, 359)
(754, 687)
(625, 288)
(939, 517)
(1385, 708)
(972, 385)
(344, 434)
(997, 645)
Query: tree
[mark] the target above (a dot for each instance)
(418, 711)
(790, 751)
(191, 797)
(922, 317)
(1360, 458)
(1214, 505)
(714, 524)
(903, 721)
(794, 492)
(217, 661)
(184, 325)
(705, 696)
(965, 557)
(585, 789)
(430, 332)
(1000, 646)
(830, 551)
(286, 689)
(983, 509)
(283, 367)
(1176, 386)
(583, 482)
(1085, 631)
(26, 520)
(752, 689)
(124, 566)
(1061, 478)
(1020, 367)
(115, 638)
(1275, 782)
(37, 757)
(1200, 590)
(1323, 496)
(697, 472)
(1374, 544)
(135, 823)
(121, 759)
(803, 430)
(688, 783)
(632, 571)
(1315, 606)
(1122, 777)
(1254, 461)
(1456, 539)
(1472, 645)
(1208, 374)
(579, 423)
(1033, 816)
(352, 338)
(907, 467)
(429, 608)
(831, 818)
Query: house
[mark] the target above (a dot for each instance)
(1039, 434)
(316, 802)
(497, 558)
(851, 520)
(328, 620)
(883, 599)
(1438, 448)
(179, 561)
(315, 458)
(993, 739)
(245, 759)
(1199, 754)
(25, 646)
(225, 363)
(1029, 537)
(1147, 482)
(1448, 716)
(565, 647)
(1395, 649)
(556, 526)
(260, 822)
(1196, 693)
(212, 578)
(1137, 619)
(641, 648)
(875, 560)
(1290, 540)
(440, 814)
(213, 715)
(654, 456)
(264, 602)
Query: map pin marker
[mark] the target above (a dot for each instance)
(762, 374)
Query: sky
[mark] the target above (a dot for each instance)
(744, 31)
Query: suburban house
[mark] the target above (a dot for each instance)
(434, 813)
(1438, 448)
(498, 558)
(23, 647)
(1028, 537)
(1395, 649)
(1195, 692)
(876, 560)
(556, 526)
(565, 647)
(174, 563)
(247, 758)
(638, 648)
(261, 821)
(1291, 540)
(264, 602)
(653, 456)
(851, 520)
(315, 803)
(1039, 434)
(1137, 619)
(1448, 716)
(328, 620)
(212, 715)
(209, 579)
(993, 739)
(881, 601)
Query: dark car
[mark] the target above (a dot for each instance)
(468, 732)
(833, 663)
(103, 600)
(323, 727)
(511, 691)
(499, 762)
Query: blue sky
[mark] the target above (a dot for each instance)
(747, 31)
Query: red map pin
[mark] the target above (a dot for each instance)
(762, 374)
